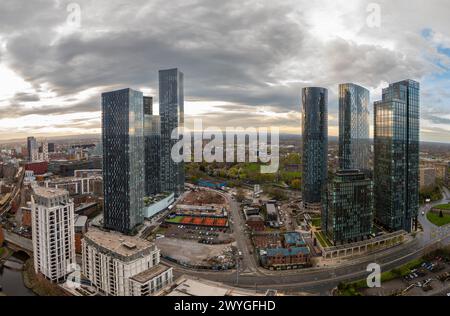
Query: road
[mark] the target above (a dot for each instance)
(248, 263)
(17, 240)
(17, 189)
(318, 280)
(431, 231)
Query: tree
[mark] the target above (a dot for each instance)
(240, 195)
(295, 184)
(441, 214)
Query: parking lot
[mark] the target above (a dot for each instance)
(430, 278)
(205, 235)
(193, 253)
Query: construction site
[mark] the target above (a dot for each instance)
(199, 222)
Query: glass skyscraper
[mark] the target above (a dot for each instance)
(354, 143)
(171, 111)
(31, 146)
(396, 163)
(314, 144)
(123, 159)
(152, 136)
(347, 213)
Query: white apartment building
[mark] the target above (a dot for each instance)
(119, 265)
(52, 216)
(38, 152)
(77, 185)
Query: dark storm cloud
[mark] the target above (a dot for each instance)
(437, 119)
(15, 110)
(251, 53)
(26, 97)
(231, 58)
(231, 51)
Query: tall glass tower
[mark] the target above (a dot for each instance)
(123, 159)
(354, 143)
(396, 164)
(171, 111)
(347, 214)
(314, 144)
(152, 136)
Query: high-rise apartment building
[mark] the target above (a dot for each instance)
(354, 142)
(119, 265)
(37, 151)
(347, 213)
(396, 159)
(51, 147)
(33, 149)
(148, 105)
(123, 159)
(53, 233)
(43, 151)
(152, 136)
(171, 111)
(314, 144)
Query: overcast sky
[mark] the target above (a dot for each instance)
(244, 61)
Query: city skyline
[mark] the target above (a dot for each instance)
(55, 92)
(240, 148)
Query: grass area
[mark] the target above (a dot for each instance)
(443, 207)
(161, 231)
(353, 288)
(323, 239)
(438, 221)
(317, 222)
(175, 220)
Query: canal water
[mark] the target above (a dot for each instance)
(12, 281)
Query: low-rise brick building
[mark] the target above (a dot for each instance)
(290, 252)
(279, 257)
(256, 223)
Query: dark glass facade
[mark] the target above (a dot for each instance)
(354, 142)
(171, 110)
(148, 105)
(396, 160)
(314, 143)
(347, 213)
(31, 145)
(123, 159)
(152, 135)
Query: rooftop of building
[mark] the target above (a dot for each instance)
(159, 197)
(255, 218)
(81, 221)
(49, 193)
(122, 245)
(151, 273)
(350, 175)
(271, 209)
(294, 238)
(188, 286)
(73, 179)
